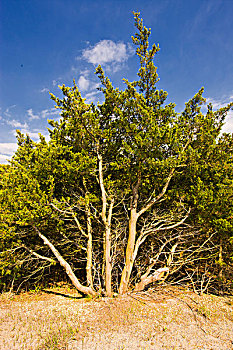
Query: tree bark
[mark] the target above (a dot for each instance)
(86, 290)
(132, 245)
(107, 267)
(89, 248)
(220, 259)
(88, 236)
(145, 280)
(129, 258)
(108, 264)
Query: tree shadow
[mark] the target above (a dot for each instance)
(62, 294)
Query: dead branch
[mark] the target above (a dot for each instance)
(66, 265)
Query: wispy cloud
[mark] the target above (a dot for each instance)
(44, 90)
(44, 114)
(92, 96)
(7, 112)
(220, 102)
(108, 54)
(31, 115)
(50, 113)
(16, 124)
(200, 19)
(85, 72)
(74, 70)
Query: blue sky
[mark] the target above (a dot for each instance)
(45, 43)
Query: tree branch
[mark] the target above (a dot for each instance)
(39, 256)
(66, 265)
(153, 201)
(103, 192)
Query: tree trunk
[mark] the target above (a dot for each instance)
(86, 290)
(220, 259)
(89, 250)
(108, 265)
(129, 259)
(157, 275)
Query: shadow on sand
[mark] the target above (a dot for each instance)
(63, 294)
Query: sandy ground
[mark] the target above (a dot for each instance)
(162, 319)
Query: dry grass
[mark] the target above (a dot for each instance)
(162, 319)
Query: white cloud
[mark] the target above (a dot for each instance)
(8, 148)
(219, 103)
(44, 90)
(8, 110)
(33, 133)
(85, 72)
(216, 103)
(92, 97)
(44, 114)
(228, 126)
(86, 85)
(4, 159)
(49, 113)
(31, 115)
(222, 102)
(83, 83)
(6, 151)
(107, 52)
(74, 70)
(16, 124)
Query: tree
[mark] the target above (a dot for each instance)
(127, 181)
(28, 198)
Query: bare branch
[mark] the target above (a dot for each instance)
(154, 200)
(71, 212)
(103, 192)
(66, 265)
(39, 256)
